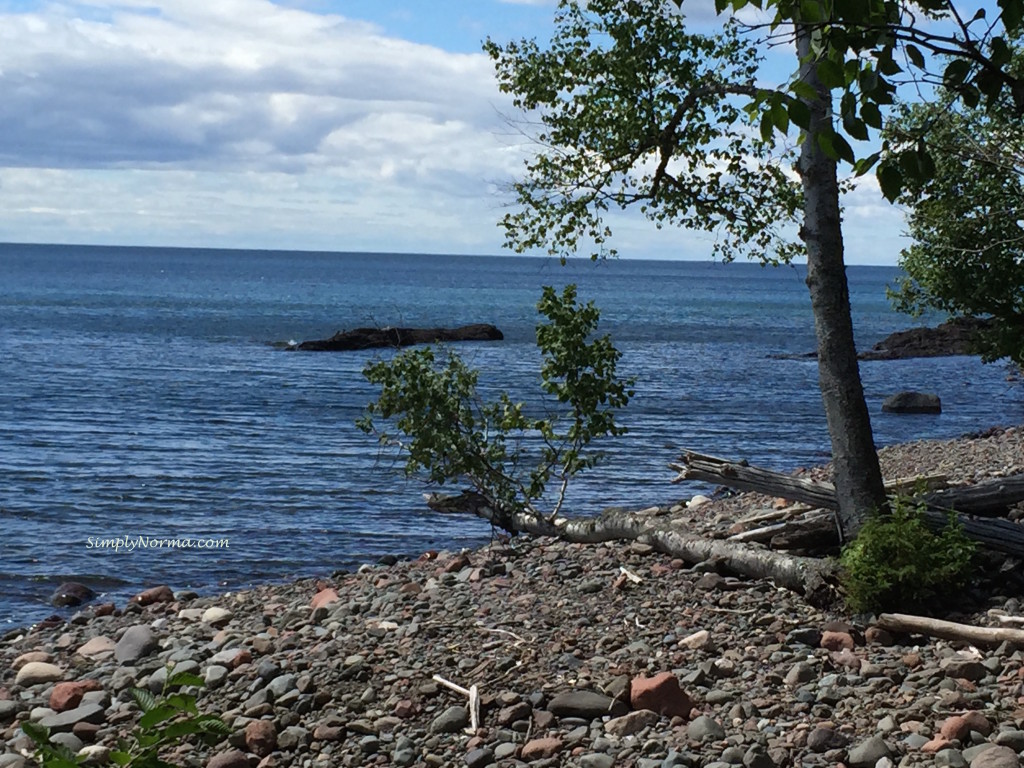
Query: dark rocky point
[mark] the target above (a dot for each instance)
(370, 338)
(954, 337)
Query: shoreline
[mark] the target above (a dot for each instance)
(339, 671)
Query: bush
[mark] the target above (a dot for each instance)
(166, 721)
(897, 562)
(448, 434)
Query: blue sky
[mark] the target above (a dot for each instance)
(357, 125)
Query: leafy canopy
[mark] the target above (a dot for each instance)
(967, 219)
(635, 111)
(449, 434)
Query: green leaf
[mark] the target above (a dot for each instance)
(1012, 13)
(810, 11)
(799, 114)
(780, 116)
(158, 714)
(865, 164)
(871, 114)
(804, 90)
(767, 126)
(854, 127)
(843, 149)
(890, 180)
(184, 678)
(831, 74)
(955, 73)
(144, 699)
(915, 56)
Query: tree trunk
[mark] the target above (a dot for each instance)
(857, 476)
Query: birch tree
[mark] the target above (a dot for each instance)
(636, 111)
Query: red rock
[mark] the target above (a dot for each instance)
(954, 727)
(456, 564)
(538, 749)
(912, 659)
(405, 709)
(430, 554)
(978, 722)
(324, 598)
(329, 732)
(161, 594)
(936, 745)
(261, 737)
(410, 588)
(69, 695)
(106, 609)
(660, 694)
(836, 641)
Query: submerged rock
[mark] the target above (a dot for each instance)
(370, 338)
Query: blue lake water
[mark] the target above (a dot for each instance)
(143, 392)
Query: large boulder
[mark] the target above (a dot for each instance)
(369, 338)
(912, 402)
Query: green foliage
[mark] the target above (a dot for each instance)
(636, 112)
(166, 721)
(966, 219)
(449, 434)
(897, 562)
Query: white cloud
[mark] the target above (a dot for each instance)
(245, 123)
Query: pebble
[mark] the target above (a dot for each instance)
(136, 643)
(560, 672)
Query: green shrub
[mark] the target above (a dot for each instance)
(897, 562)
(447, 433)
(166, 721)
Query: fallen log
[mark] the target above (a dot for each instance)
(983, 498)
(949, 630)
(812, 577)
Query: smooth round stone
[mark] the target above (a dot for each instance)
(37, 672)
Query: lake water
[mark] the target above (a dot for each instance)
(144, 392)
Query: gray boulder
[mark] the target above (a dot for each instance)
(912, 402)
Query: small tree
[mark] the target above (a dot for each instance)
(966, 219)
(449, 434)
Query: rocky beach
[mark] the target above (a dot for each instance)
(582, 655)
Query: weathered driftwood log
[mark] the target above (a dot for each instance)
(986, 497)
(812, 577)
(989, 498)
(948, 630)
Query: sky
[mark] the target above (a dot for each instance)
(347, 125)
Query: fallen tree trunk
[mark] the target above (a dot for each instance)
(981, 499)
(812, 577)
(948, 630)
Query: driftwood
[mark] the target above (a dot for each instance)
(984, 498)
(948, 630)
(812, 577)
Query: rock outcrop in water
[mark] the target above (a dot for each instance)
(370, 338)
(954, 337)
